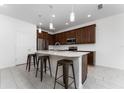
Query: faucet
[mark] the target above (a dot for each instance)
(56, 44)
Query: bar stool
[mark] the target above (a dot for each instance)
(65, 63)
(43, 61)
(29, 57)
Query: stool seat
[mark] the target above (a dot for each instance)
(65, 61)
(31, 54)
(40, 57)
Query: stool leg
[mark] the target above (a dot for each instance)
(74, 75)
(50, 67)
(34, 60)
(37, 62)
(41, 69)
(65, 75)
(27, 62)
(56, 76)
(37, 67)
(45, 64)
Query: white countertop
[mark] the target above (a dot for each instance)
(62, 53)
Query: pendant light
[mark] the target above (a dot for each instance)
(72, 15)
(39, 30)
(39, 25)
(51, 25)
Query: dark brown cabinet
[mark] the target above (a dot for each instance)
(51, 39)
(78, 35)
(84, 35)
(43, 35)
(70, 34)
(84, 68)
(91, 57)
(88, 34)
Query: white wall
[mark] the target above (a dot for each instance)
(25, 41)
(15, 38)
(109, 45)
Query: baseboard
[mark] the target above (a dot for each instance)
(20, 64)
(7, 66)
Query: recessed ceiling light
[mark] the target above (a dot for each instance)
(89, 15)
(53, 15)
(66, 23)
(40, 23)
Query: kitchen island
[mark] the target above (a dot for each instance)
(79, 61)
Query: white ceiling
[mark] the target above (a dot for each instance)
(30, 12)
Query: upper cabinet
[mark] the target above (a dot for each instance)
(70, 34)
(78, 35)
(88, 35)
(83, 35)
(43, 35)
(51, 39)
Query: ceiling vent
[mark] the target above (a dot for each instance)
(100, 6)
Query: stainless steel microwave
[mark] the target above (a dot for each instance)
(71, 40)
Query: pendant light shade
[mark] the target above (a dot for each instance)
(51, 25)
(72, 16)
(39, 30)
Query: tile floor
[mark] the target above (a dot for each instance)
(98, 78)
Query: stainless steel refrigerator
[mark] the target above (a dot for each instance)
(42, 44)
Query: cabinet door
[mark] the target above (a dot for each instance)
(62, 39)
(55, 38)
(92, 34)
(85, 36)
(88, 34)
(40, 35)
(70, 34)
(51, 39)
(59, 38)
(78, 36)
(45, 35)
(84, 68)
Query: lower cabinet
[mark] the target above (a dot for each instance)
(84, 68)
(90, 57)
